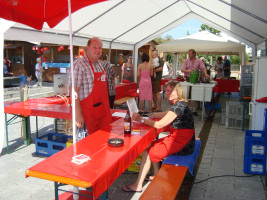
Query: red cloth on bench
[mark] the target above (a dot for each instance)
(173, 143)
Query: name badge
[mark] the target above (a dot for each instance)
(103, 77)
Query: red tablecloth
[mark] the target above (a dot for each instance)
(123, 88)
(107, 163)
(165, 80)
(227, 85)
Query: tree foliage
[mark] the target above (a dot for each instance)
(209, 29)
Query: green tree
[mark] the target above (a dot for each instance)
(209, 29)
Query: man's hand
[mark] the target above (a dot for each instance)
(79, 121)
(207, 76)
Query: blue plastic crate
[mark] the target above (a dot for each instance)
(255, 165)
(265, 119)
(51, 143)
(210, 106)
(255, 143)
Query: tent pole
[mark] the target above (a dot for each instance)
(109, 53)
(73, 93)
(135, 60)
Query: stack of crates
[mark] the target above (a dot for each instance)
(51, 143)
(234, 114)
(255, 152)
(64, 126)
(246, 116)
(246, 80)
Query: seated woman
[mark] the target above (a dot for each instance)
(180, 140)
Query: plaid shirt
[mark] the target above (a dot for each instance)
(193, 65)
(84, 76)
(111, 78)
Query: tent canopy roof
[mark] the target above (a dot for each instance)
(129, 24)
(202, 42)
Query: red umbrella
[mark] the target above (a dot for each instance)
(35, 12)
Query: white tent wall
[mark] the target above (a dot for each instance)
(5, 25)
(129, 24)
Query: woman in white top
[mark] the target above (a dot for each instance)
(39, 71)
(219, 68)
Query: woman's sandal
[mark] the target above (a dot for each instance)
(126, 188)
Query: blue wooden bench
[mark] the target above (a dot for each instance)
(167, 182)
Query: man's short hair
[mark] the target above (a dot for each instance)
(91, 39)
(193, 51)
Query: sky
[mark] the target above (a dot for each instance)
(192, 26)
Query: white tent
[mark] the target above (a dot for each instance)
(204, 43)
(129, 24)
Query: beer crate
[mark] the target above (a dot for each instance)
(234, 114)
(51, 143)
(246, 75)
(255, 152)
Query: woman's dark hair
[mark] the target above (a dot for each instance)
(219, 59)
(145, 57)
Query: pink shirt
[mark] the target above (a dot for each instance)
(192, 65)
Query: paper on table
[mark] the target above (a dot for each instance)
(119, 114)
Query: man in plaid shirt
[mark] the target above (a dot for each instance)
(84, 76)
(110, 78)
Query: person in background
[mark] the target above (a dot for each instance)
(207, 65)
(110, 78)
(121, 59)
(39, 71)
(145, 72)
(7, 63)
(189, 66)
(180, 140)
(92, 105)
(156, 83)
(219, 68)
(127, 70)
(226, 67)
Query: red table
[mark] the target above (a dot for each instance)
(227, 85)
(123, 88)
(107, 163)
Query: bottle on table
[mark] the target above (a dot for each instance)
(127, 123)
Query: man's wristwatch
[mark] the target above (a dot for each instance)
(142, 121)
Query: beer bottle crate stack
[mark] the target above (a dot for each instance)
(246, 75)
(255, 152)
(234, 114)
(51, 143)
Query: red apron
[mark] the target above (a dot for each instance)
(95, 107)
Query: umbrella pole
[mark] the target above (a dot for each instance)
(73, 93)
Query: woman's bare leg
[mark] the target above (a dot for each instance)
(150, 106)
(141, 105)
(144, 168)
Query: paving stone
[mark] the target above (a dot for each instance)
(222, 164)
(223, 153)
(219, 191)
(249, 188)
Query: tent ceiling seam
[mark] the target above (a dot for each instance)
(262, 37)
(225, 28)
(98, 17)
(63, 34)
(145, 20)
(245, 12)
(162, 28)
